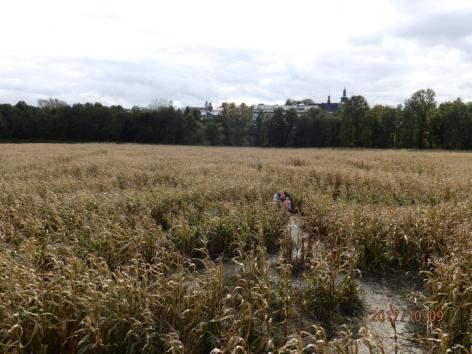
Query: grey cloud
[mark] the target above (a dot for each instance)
(451, 30)
(465, 86)
(130, 83)
(443, 27)
(387, 62)
(109, 81)
(381, 73)
(228, 74)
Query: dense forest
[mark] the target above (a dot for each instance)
(419, 123)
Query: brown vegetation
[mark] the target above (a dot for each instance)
(122, 248)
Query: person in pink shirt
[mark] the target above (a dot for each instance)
(285, 198)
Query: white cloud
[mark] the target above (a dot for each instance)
(122, 52)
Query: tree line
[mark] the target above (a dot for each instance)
(420, 123)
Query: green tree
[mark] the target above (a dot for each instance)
(214, 133)
(235, 121)
(291, 118)
(3, 127)
(451, 126)
(259, 131)
(379, 127)
(193, 127)
(353, 113)
(276, 128)
(304, 132)
(421, 108)
(315, 128)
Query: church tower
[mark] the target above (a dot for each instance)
(344, 97)
(329, 98)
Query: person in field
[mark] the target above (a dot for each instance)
(285, 198)
(276, 197)
(288, 204)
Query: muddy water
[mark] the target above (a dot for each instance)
(378, 294)
(298, 236)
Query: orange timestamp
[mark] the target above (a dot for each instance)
(414, 316)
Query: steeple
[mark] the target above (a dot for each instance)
(344, 98)
(329, 98)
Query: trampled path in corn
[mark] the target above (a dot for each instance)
(378, 293)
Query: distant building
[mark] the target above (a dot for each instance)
(207, 112)
(265, 109)
(300, 106)
(344, 97)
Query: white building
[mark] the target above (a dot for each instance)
(300, 106)
(263, 109)
(208, 112)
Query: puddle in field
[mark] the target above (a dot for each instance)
(298, 236)
(379, 292)
(230, 268)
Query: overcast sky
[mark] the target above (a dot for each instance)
(133, 52)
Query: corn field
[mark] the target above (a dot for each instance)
(109, 248)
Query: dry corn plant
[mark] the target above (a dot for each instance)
(131, 248)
